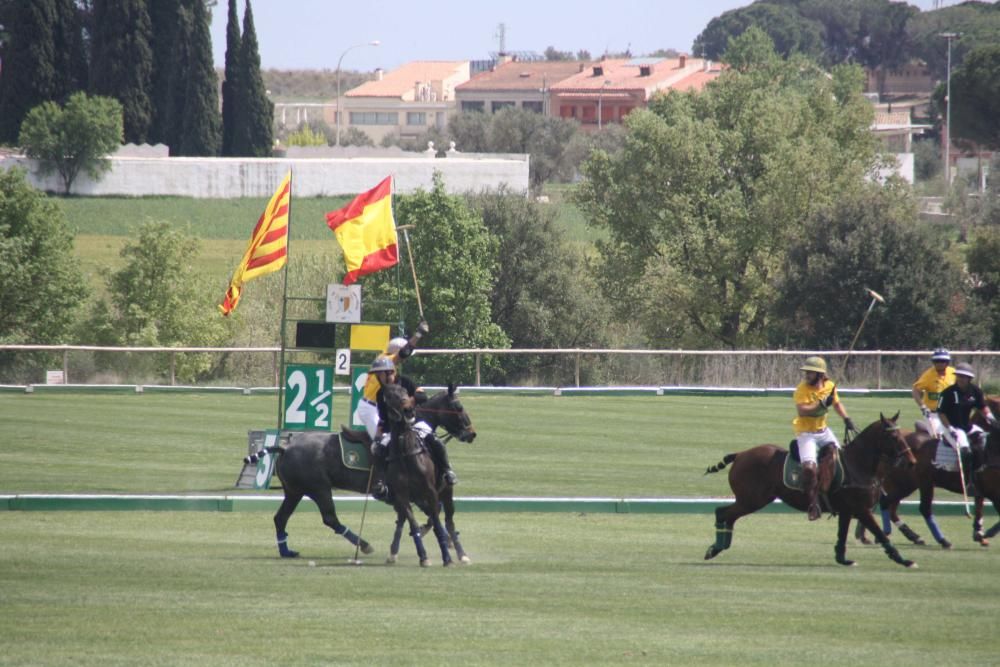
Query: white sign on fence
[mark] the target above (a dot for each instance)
(55, 377)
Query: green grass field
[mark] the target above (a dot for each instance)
(172, 588)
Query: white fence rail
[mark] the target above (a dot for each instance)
(873, 369)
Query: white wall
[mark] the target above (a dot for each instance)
(238, 177)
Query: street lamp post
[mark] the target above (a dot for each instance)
(600, 102)
(947, 120)
(374, 42)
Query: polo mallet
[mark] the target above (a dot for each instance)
(876, 298)
(413, 268)
(961, 478)
(364, 511)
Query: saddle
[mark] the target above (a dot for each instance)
(830, 469)
(354, 449)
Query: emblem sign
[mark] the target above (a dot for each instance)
(343, 303)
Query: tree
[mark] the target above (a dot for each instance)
(975, 93)
(43, 59)
(230, 85)
(122, 62)
(544, 138)
(983, 259)
(976, 23)
(470, 131)
(253, 131)
(456, 259)
(543, 294)
(201, 123)
(789, 31)
(75, 138)
(869, 238)
(164, 16)
(710, 188)
(551, 53)
(883, 42)
(156, 299)
(41, 285)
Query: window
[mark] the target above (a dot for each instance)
(567, 111)
(496, 106)
(473, 106)
(374, 118)
(532, 106)
(416, 118)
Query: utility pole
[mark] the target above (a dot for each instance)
(947, 122)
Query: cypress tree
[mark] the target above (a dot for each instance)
(230, 85)
(163, 17)
(122, 61)
(171, 115)
(201, 127)
(254, 127)
(30, 72)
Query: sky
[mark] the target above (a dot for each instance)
(314, 34)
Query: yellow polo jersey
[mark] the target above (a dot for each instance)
(372, 384)
(933, 385)
(806, 393)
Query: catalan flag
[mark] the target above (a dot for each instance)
(268, 249)
(366, 232)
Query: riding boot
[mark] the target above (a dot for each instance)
(810, 486)
(440, 456)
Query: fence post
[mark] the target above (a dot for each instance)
(878, 367)
(477, 369)
(274, 365)
(576, 373)
(173, 368)
(66, 366)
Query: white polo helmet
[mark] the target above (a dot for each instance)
(965, 369)
(941, 354)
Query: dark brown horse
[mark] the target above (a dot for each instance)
(444, 410)
(756, 480)
(924, 476)
(412, 476)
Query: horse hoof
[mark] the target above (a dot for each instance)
(712, 552)
(909, 564)
(391, 560)
(865, 541)
(425, 563)
(846, 562)
(367, 548)
(290, 554)
(945, 544)
(465, 560)
(448, 563)
(919, 542)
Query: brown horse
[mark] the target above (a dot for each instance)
(924, 477)
(756, 480)
(412, 476)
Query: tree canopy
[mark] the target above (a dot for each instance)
(975, 98)
(710, 188)
(41, 285)
(74, 138)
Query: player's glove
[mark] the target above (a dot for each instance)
(925, 411)
(849, 423)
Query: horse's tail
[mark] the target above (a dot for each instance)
(252, 459)
(726, 460)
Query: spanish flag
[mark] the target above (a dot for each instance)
(366, 232)
(268, 249)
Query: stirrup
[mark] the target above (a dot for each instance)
(380, 491)
(815, 512)
(450, 477)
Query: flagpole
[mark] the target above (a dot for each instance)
(284, 309)
(413, 269)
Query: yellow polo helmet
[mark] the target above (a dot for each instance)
(814, 364)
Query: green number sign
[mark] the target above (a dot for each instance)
(359, 375)
(308, 397)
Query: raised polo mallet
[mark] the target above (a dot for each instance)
(876, 298)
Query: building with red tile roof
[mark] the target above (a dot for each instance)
(524, 85)
(406, 101)
(607, 90)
